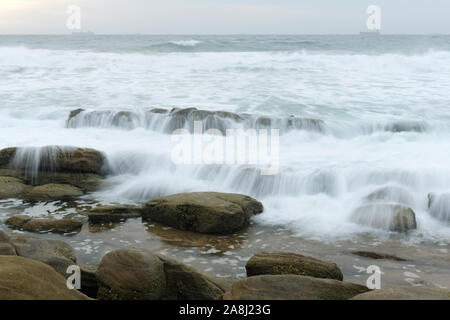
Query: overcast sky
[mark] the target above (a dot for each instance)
(224, 16)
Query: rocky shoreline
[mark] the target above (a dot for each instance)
(36, 268)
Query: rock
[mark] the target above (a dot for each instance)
(53, 192)
(25, 279)
(108, 214)
(279, 263)
(131, 274)
(405, 293)
(292, 287)
(7, 250)
(85, 181)
(52, 159)
(185, 283)
(392, 195)
(12, 188)
(204, 212)
(57, 254)
(6, 156)
(374, 255)
(439, 206)
(44, 225)
(139, 274)
(89, 285)
(392, 217)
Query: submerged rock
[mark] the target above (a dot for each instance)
(57, 254)
(392, 217)
(25, 279)
(117, 213)
(279, 263)
(44, 225)
(377, 256)
(139, 274)
(204, 212)
(405, 293)
(292, 287)
(439, 206)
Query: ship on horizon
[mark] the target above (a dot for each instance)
(83, 33)
(375, 32)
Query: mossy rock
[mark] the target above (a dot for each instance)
(292, 287)
(44, 225)
(203, 212)
(279, 263)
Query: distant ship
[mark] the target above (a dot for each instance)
(370, 33)
(82, 33)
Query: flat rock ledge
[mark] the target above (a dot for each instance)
(292, 287)
(203, 212)
(280, 263)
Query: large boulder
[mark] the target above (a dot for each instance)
(405, 293)
(204, 212)
(292, 287)
(57, 254)
(12, 188)
(25, 279)
(279, 263)
(392, 217)
(139, 274)
(44, 225)
(439, 206)
(106, 214)
(53, 159)
(53, 191)
(131, 274)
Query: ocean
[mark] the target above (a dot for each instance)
(383, 103)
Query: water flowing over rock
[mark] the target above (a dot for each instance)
(204, 212)
(52, 159)
(391, 194)
(25, 279)
(167, 121)
(49, 173)
(391, 217)
(439, 206)
(292, 287)
(138, 274)
(279, 263)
